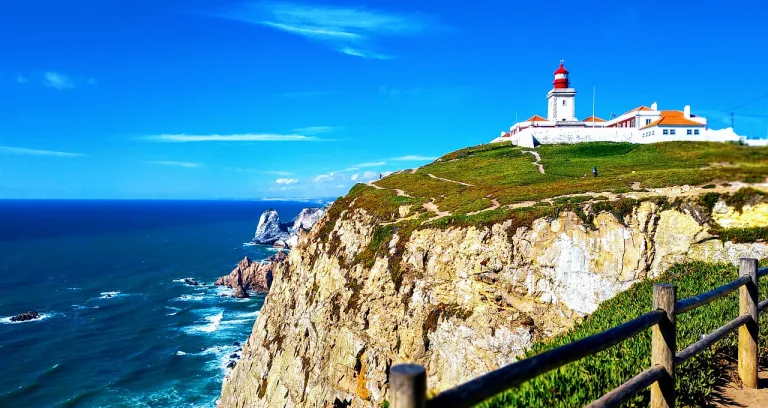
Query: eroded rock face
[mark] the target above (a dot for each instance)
(253, 276)
(270, 231)
(460, 301)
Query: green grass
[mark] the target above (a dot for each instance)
(505, 172)
(582, 382)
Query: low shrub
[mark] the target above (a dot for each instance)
(582, 382)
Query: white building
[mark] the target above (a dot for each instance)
(640, 125)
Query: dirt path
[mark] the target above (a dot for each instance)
(494, 205)
(538, 159)
(402, 193)
(432, 207)
(413, 171)
(372, 184)
(733, 395)
(450, 181)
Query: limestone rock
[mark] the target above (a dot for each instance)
(460, 301)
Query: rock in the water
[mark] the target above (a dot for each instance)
(240, 292)
(270, 231)
(237, 344)
(234, 355)
(231, 364)
(23, 317)
(254, 276)
(190, 282)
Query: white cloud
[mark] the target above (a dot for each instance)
(414, 157)
(354, 177)
(365, 54)
(57, 81)
(21, 151)
(364, 165)
(247, 137)
(314, 130)
(351, 31)
(304, 94)
(323, 178)
(278, 173)
(370, 175)
(286, 181)
(21, 79)
(176, 163)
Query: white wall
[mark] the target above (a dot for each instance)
(587, 134)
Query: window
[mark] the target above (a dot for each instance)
(666, 131)
(671, 131)
(689, 132)
(696, 131)
(647, 121)
(563, 102)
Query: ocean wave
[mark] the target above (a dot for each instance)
(188, 298)
(182, 280)
(110, 295)
(213, 323)
(42, 316)
(175, 310)
(248, 244)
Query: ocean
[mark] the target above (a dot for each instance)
(120, 328)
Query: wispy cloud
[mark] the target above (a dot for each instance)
(414, 157)
(21, 151)
(246, 137)
(279, 173)
(56, 80)
(287, 181)
(21, 79)
(351, 31)
(176, 163)
(315, 130)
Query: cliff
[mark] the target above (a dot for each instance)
(253, 276)
(409, 270)
(270, 231)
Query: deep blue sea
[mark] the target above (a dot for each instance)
(121, 329)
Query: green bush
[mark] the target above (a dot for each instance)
(581, 382)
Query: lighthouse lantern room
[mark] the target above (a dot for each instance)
(561, 99)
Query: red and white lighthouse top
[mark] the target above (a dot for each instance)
(561, 77)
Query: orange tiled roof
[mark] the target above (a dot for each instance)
(672, 118)
(593, 119)
(536, 118)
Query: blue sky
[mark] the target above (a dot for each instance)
(217, 98)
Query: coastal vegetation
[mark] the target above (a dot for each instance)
(582, 382)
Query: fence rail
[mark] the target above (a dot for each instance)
(409, 381)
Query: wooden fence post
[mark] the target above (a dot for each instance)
(748, 332)
(664, 346)
(408, 386)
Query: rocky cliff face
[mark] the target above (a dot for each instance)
(460, 300)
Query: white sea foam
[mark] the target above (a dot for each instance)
(175, 310)
(182, 280)
(42, 316)
(212, 324)
(247, 244)
(111, 295)
(181, 353)
(188, 298)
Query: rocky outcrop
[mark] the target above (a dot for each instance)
(252, 276)
(270, 231)
(23, 317)
(460, 300)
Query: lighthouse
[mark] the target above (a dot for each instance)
(561, 100)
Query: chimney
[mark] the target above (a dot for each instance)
(687, 111)
(654, 106)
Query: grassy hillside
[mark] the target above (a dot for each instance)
(580, 383)
(506, 174)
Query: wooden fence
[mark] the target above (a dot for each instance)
(408, 382)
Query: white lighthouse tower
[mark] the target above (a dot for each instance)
(561, 100)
